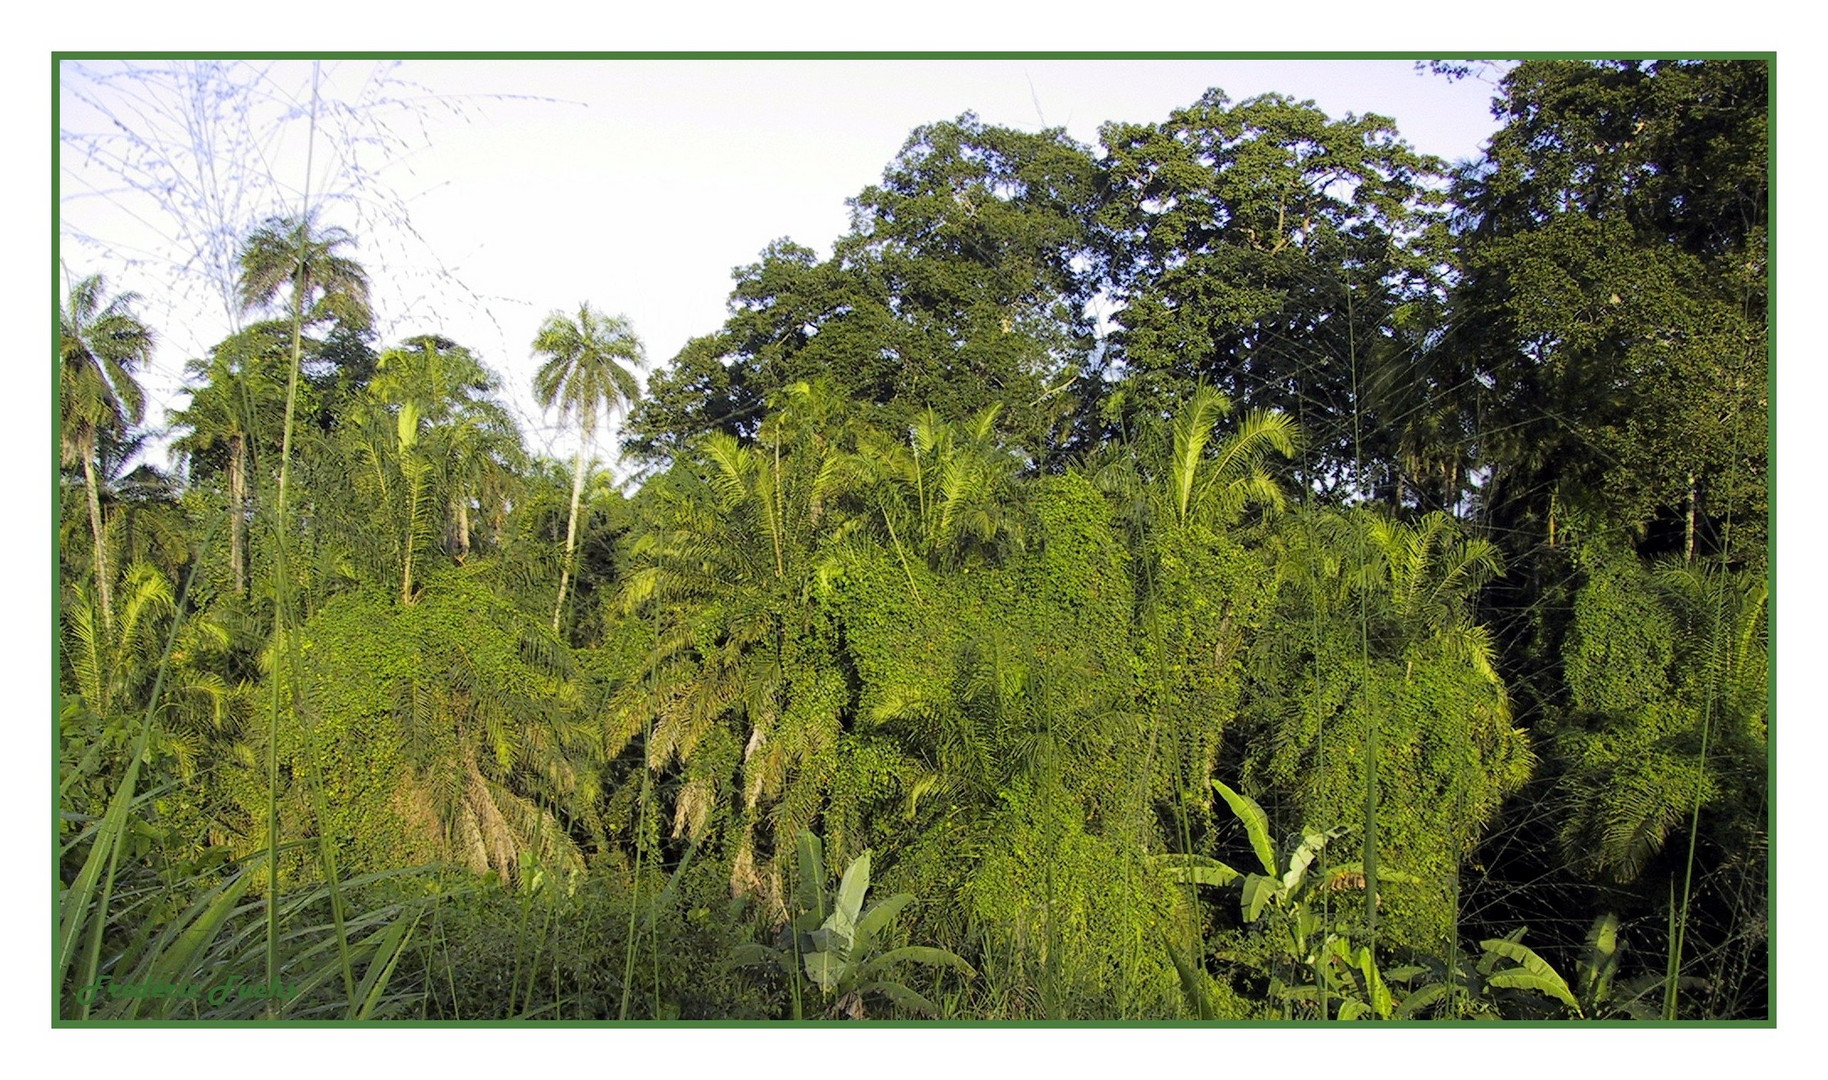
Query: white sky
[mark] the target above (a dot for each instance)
(638, 185)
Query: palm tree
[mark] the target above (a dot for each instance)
(443, 429)
(1386, 683)
(290, 254)
(1180, 473)
(1223, 482)
(230, 419)
(100, 342)
(1431, 573)
(950, 485)
(736, 541)
(111, 672)
(583, 374)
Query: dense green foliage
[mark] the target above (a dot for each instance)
(1395, 558)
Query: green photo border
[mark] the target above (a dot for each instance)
(57, 59)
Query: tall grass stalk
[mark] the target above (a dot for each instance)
(1320, 738)
(634, 905)
(647, 736)
(1372, 722)
(282, 641)
(1671, 990)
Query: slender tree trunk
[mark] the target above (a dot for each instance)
(238, 501)
(415, 493)
(571, 533)
(281, 598)
(463, 527)
(1688, 545)
(780, 514)
(102, 583)
(406, 574)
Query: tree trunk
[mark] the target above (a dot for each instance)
(102, 584)
(238, 501)
(571, 534)
(463, 527)
(1688, 544)
(414, 492)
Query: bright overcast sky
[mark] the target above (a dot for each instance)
(639, 184)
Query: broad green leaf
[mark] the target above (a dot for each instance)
(1256, 825)
(1374, 983)
(901, 996)
(1416, 1004)
(1600, 961)
(812, 877)
(755, 954)
(879, 916)
(1196, 870)
(824, 969)
(1550, 985)
(1603, 938)
(1532, 972)
(1301, 859)
(1258, 891)
(919, 954)
(851, 890)
(1307, 923)
(1193, 983)
(1488, 959)
(837, 935)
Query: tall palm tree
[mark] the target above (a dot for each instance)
(100, 342)
(1180, 472)
(584, 374)
(291, 255)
